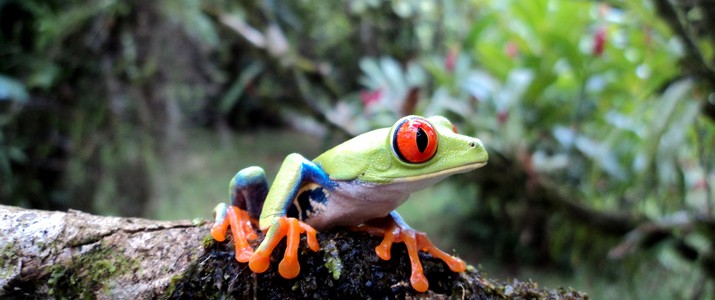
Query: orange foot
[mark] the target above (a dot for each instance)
(241, 229)
(291, 228)
(395, 230)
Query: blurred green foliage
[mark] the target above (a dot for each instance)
(98, 114)
(582, 94)
(597, 102)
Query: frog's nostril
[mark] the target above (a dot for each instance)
(472, 145)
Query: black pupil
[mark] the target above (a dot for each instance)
(422, 140)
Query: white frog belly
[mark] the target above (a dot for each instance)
(352, 202)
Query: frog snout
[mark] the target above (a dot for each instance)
(477, 146)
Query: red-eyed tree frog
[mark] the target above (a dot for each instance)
(358, 183)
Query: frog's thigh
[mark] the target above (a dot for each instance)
(291, 173)
(248, 190)
(295, 171)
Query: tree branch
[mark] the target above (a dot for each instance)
(77, 255)
(538, 190)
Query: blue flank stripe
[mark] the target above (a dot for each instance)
(310, 172)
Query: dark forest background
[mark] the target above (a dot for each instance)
(599, 118)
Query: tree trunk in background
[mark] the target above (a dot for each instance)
(107, 121)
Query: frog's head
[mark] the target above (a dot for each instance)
(425, 148)
(414, 149)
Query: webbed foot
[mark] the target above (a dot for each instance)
(291, 228)
(394, 230)
(240, 223)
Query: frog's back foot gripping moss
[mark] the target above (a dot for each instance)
(247, 191)
(394, 229)
(241, 229)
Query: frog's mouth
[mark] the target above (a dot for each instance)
(443, 173)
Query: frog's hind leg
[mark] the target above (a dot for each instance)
(247, 192)
(248, 189)
(394, 229)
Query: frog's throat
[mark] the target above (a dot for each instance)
(443, 173)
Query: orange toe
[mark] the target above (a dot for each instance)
(454, 263)
(240, 224)
(244, 254)
(259, 262)
(383, 250)
(290, 228)
(289, 268)
(414, 241)
(419, 282)
(218, 231)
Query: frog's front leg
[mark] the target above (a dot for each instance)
(295, 172)
(394, 229)
(247, 192)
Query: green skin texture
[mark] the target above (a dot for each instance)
(368, 160)
(369, 157)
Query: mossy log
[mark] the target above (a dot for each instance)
(77, 255)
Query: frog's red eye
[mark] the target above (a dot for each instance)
(414, 140)
(454, 128)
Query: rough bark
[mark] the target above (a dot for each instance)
(77, 255)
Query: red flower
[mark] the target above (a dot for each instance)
(502, 117)
(450, 60)
(599, 41)
(370, 97)
(511, 49)
(700, 184)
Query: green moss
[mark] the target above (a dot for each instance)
(332, 260)
(172, 284)
(207, 242)
(88, 273)
(196, 283)
(41, 246)
(4, 255)
(8, 258)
